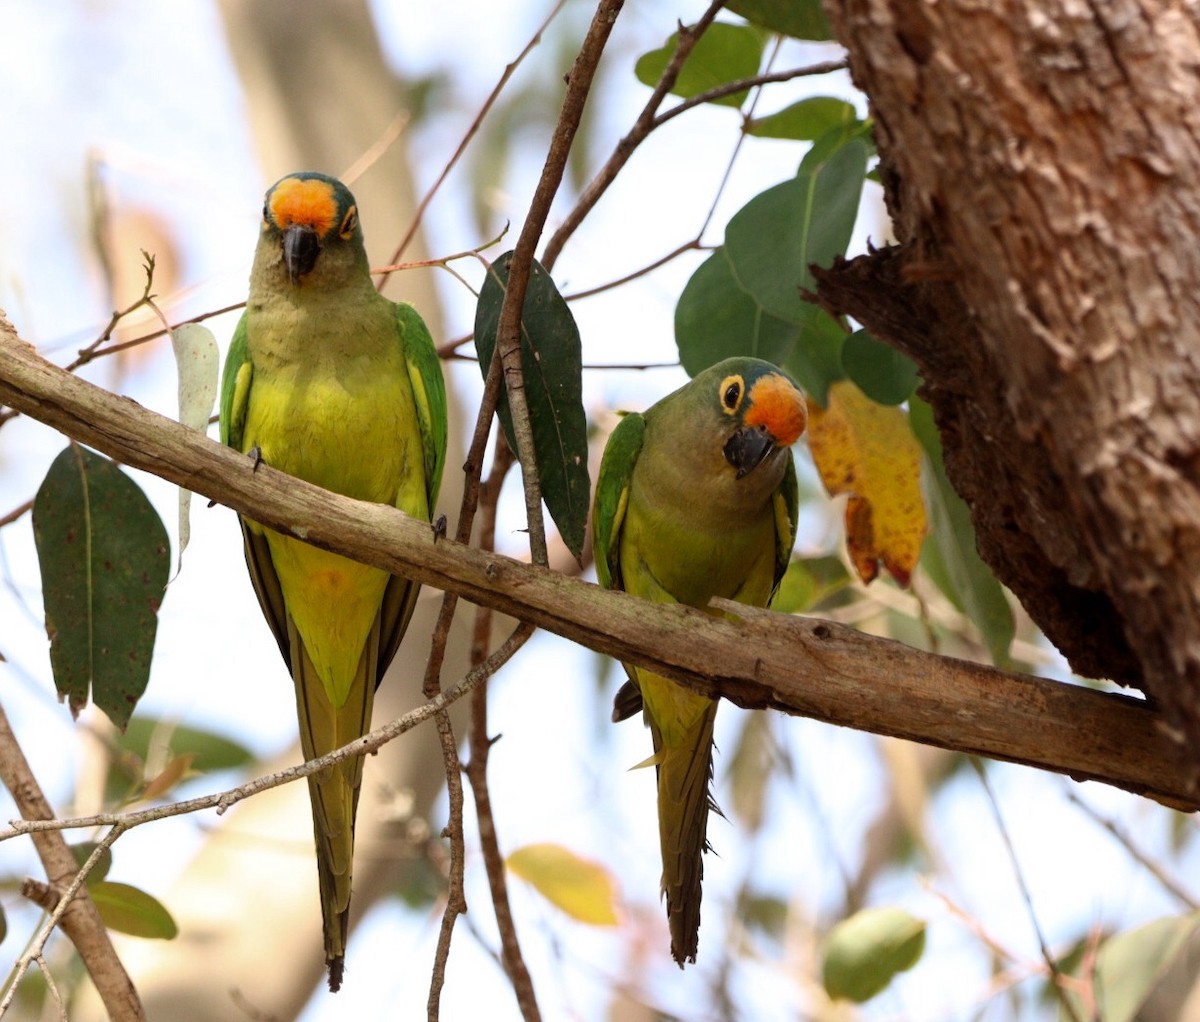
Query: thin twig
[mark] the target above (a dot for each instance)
(476, 770)
(1058, 978)
(79, 919)
(1153, 868)
(223, 800)
(508, 327)
(688, 37)
(472, 131)
(16, 513)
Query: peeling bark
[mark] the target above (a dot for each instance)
(1042, 167)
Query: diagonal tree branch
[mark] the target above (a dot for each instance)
(762, 660)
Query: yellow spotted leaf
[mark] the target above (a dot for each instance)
(868, 451)
(584, 890)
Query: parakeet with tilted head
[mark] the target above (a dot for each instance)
(696, 499)
(329, 381)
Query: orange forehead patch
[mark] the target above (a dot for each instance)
(309, 202)
(777, 405)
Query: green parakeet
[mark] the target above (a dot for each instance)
(696, 498)
(331, 382)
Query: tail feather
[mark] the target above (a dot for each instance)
(334, 791)
(684, 800)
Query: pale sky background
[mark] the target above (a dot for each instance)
(150, 87)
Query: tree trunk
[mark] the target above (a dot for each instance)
(1042, 166)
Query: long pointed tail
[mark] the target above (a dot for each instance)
(683, 749)
(334, 791)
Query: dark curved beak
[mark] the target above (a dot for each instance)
(301, 246)
(747, 448)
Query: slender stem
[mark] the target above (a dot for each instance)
(472, 131)
(688, 37)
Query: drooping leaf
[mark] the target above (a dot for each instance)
(808, 581)
(865, 952)
(584, 890)
(806, 120)
(951, 559)
(104, 559)
(1130, 965)
(724, 53)
(83, 851)
(750, 770)
(801, 19)
(868, 451)
(197, 361)
(552, 366)
(771, 241)
(127, 909)
(881, 372)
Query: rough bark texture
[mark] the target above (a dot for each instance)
(1041, 166)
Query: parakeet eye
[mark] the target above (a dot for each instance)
(731, 393)
(349, 223)
(266, 213)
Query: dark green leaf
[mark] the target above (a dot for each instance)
(885, 375)
(828, 145)
(865, 952)
(764, 913)
(104, 560)
(129, 910)
(83, 851)
(772, 240)
(716, 319)
(801, 19)
(552, 366)
(808, 581)
(951, 559)
(807, 120)
(725, 53)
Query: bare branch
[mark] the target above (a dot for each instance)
(758, 659)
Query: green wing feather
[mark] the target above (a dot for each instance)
(233, 404)
(612, 497)
(787, 510)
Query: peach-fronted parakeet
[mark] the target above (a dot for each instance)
(331, 382)
(696, 498)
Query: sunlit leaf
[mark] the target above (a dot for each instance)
(865, 952)
(104, 559)
(868, 452)
(198, 362)
(552, 366)
(806, 120)
(127, 909)
(801, 19)
(724, 53)
(881, 372)
(584, 890)
(209, 750)
(950, 558)
(772, 240)
(83, 851)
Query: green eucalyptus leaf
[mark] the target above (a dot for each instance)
(127, 909)
(806, 120)
(105, 559)
(864, 953)
(83, 851)
(724, 53)
(552, 367)
(801, 19)
(773, 239)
